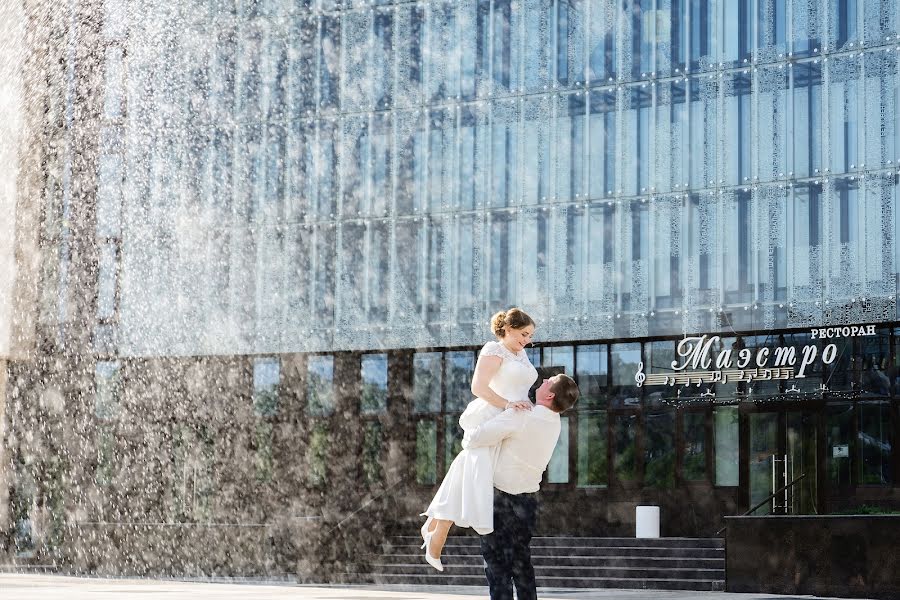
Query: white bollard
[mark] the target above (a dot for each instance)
(647, 522)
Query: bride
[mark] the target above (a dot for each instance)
(503, 375)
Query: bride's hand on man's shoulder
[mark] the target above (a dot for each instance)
(521, 405)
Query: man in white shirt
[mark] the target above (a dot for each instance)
(527, 440)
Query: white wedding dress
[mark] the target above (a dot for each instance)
(466, 495)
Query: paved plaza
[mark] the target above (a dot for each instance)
(55, 587)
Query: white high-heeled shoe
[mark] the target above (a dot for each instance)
(424, 529)
(434, 562)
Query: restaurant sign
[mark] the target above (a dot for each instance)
(698, 362)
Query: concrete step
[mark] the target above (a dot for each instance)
(589, 582)
(591, 542)
(452, 548)
(573, 560)
(567, 571)
(663, 563)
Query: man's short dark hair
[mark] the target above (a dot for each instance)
(565, 393)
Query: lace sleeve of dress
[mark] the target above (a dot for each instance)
(493, 349)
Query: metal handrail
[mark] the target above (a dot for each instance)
(772, 495)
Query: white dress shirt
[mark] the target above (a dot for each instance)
(527, 440)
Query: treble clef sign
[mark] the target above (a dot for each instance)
(639, 377)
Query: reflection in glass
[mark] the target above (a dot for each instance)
(625, 449)
(320, 385)
(591, 375)
(266, 378)
(802, 448)
(726, 437)
(871, 364)
(763, 448)
(427, 382)
(874, 464)
(558, 469)
(659, 450)
(838, 444)
(561, 358)
(264, 458)
(592, 446)
(625, 359)
(317, 455)
(426, 452)
(374, 371)
(107, 382)
(693, 460)
(373, 444)
(457, 386)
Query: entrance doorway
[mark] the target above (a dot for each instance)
(783, 447)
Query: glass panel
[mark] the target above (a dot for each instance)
(602, 151)
(505, 177)
(873, 363)
(440, 163)
(503, 274)
(659, 450)
(592, 456)
(383, 59)
(591, 376)
(537, 119)
(763, 447)
(802, 441)
(538, 33)
(602, 43)
(570, 134)
(807, 126)
(109, 196)
(107, 278)
(266, 379)
(372, 451)
(112, 101)
(625, 449)
(324, 285)
(426, 452)
(693, 461)
(264, 458)
(558, 469)
(107, 382)
(379, 273)
(318, 455)
(561, 358)
(874, 457)
(840, 373)
(374, 370)
(320, 385)
(457, 387)
(625, 361)
(726, 435)
(838, 444)
(427, 382)
(330, 62)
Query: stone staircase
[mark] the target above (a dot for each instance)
(573, 562)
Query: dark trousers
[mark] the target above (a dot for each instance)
(507, 551)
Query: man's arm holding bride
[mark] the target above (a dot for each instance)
(496, 430)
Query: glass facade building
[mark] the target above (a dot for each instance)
(305, 212)
(296, 177)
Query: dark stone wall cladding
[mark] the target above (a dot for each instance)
(846, 556)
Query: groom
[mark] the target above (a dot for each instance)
(527, 440)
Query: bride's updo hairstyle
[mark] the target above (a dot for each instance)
(512, 318)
